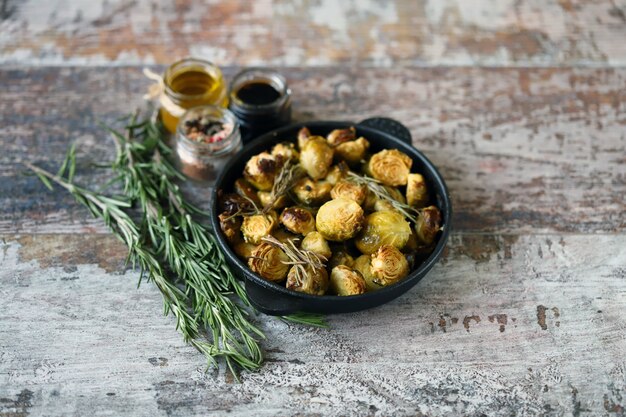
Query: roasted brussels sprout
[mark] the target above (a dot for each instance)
(411, 259)
(337, 172)
(349, 190)
(339, 136)
(396, 194)
(231, 226)
(389, 265)
(352, 152)
(340, 257)
(386, 227)
(313, 281)
(428, 224)
(244, 249)
(311, 193)
(269, 262)
(283, 235)
(261, 170)
(412, 244)
(246, 190)
(286, 151)
(416, 191)
(233, 204)
(298, 220)
(316, 157)
(255, 227)
(266, 198)
(340, 219)
(363, 264)
(315, 242)
(373, 203)
(322, 222)
(382, 204)
(346, 281)
(303, 137)
(370, 201)
(390, 166)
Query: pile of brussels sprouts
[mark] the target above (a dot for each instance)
(328, 217)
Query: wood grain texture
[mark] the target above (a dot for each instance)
(504, 325)
(522, 150)
(315, 32)
(523, 315)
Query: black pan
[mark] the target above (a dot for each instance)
(275, 299)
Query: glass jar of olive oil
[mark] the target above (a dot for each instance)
(188, 83)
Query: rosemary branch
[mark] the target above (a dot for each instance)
(300, 258)
(189, 249)
(172, 249)
(381, 192)
(285, 179)
(111, 211)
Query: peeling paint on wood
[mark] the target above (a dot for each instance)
(539, 150)
(64, 250)
(523, 315)
(103, 344)
(322, 32)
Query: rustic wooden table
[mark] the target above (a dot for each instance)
(522, 105)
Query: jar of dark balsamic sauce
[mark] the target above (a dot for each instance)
(261, 101)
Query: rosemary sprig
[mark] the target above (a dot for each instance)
(189, 249)
(314, 320)
(301, 258)
(196, 284)
(285, 179)
(111, 211)
(148, 136)
(251, 210)
(381, 192)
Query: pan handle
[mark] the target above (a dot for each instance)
(270, 302)
(390, 126)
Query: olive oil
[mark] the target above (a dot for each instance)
(189, 83)
(192, 83)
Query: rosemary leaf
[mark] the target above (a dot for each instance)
(172, 249)
(313, 320)
(381, 192)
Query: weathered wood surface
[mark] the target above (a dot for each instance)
(506, 325)
(541, 150)
(524, 315)
(322, 32)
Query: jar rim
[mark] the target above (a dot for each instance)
(271, 77)
(224, 116)
(211, 69)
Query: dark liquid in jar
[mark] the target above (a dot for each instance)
(258, 93)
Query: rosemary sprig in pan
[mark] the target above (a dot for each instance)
(285, 179)
(381, 192)
(301, 258)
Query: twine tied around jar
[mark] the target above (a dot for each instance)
(157, 92)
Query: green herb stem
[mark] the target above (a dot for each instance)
(173, 249)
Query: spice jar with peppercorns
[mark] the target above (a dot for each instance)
(206, 138)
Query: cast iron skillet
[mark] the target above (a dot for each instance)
(275, 299)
